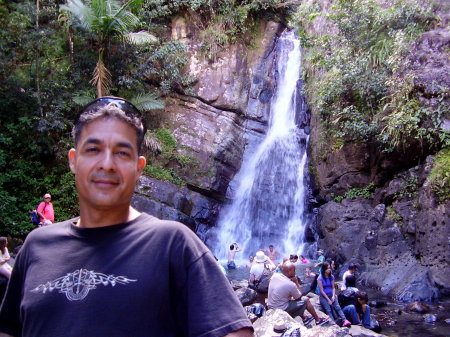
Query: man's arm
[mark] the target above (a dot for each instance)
(246, 332)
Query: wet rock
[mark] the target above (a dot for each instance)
(245, 295)
(360, 331)
(430, 318)
(236, 284)
(377, 304)
(418, 307)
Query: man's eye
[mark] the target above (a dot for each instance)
(123, 153)
(91, 149)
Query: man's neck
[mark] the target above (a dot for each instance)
(96, 218)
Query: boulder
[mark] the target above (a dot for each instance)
(264, 325)
(418, 307)
(360, 331)
(245, 295)
(236, 284)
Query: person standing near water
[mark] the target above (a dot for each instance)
(114, 271)
(234, 248)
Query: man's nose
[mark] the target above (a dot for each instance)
(107, 161)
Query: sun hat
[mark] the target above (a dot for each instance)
(260, 257)
(279, 327)
(320, 251)
(47, 195)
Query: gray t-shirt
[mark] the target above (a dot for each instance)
(146, 277)
(281, 291)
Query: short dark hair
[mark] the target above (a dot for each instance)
(350, 281)
(232, 247)
(352, 266)
(362, 295)
(111, 107)
(293, 257)
(270, 246)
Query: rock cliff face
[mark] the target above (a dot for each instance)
(400, 236)
(226, 113)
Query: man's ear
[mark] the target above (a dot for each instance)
(72, 155)
(141, 164)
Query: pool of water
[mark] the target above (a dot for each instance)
(393, 318)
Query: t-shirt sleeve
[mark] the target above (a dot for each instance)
(208, 306)
(40, 207)
(10, 321)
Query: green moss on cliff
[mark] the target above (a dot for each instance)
(440, 175)
(352, 75)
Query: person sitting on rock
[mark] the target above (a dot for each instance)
(350, 272)
(234, 248)
(260, 272)
(303, 260)
(327, 294)
(285, 294)
(358, 313)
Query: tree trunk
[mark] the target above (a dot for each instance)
(38, 63)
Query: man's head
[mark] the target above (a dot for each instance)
(111, 107)
(362, 297)
(260, 257)
(293, 258)
(320, 252)
(232, 247)
(288, 269)
(106, 159)
(271, 248)
(350, 281)
(352, 268)
(47, 197)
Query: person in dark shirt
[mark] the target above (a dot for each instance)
(114, 271)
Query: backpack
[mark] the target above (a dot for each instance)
(34, 218)
(262, 285)
(313, 287)
(347, 297)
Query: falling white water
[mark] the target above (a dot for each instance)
(268, 205)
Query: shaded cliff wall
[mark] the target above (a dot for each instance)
(399, 235)
(227, 112)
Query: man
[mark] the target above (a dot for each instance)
(115, 271)
(45, 211)
(320, 260)
(349, 274)
(272, 254)
(285, 293)
(234, 248)
(359, 311)
(260, 262)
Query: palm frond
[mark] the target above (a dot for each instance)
(152, 145)
(101, 78)
(147, 101)
(140, 38)
(81, 12)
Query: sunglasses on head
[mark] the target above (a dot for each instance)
(127, 107)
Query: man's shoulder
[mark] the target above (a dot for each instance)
(148, 222)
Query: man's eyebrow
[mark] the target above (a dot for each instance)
(93, 141)
(125, 144)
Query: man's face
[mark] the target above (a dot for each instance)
(106, 164)
(47, 200)
(271, 248)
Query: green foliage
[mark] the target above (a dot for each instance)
(168, 142)
(440, 175)
(164, 67)
(221, 22)
(157, 172)
(393, 215)
(365, 192)
(409, 189)
(353, 80)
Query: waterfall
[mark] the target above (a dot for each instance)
(268, 205)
